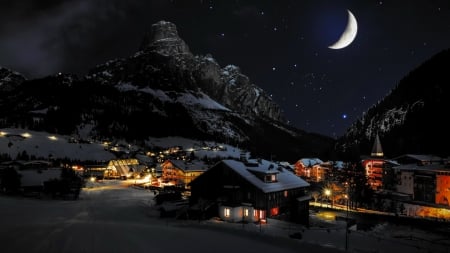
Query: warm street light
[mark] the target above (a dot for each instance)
(328, 194)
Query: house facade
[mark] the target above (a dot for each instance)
(181, 173)
(311, 169)
(428, 183)
(252, 191)
(374, 165)
(123, 168)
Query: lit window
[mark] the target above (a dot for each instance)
(274, 178)
(227, 212)
(246, 212)
(285, 194)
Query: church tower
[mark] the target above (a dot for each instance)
(377, 150)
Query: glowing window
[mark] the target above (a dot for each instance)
(227, 212)
(246, 212)
(285, 194)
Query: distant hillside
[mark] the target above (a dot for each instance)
(411, 119)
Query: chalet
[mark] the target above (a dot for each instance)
(124, 168)
(33, 174)
(181, 173)
(311, 169)
(251, 191)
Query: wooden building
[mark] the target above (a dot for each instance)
(252, 191)
(311, 169)
(181, 173)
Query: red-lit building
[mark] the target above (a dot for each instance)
(311, 169)
(252, 191)
(373, 166)
(181, 173)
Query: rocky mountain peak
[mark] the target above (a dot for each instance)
(163, 38)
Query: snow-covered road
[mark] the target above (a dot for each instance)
(112, 217)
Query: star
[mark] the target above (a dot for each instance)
(344, 116)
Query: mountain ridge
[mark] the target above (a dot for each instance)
(161, 90)
(410, 119)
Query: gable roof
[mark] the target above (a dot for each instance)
(307, 162)
(420, 158)
(285, 179)
(189, 166)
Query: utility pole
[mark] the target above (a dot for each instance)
(346, 224)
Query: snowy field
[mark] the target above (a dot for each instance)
(42, 144)
(112, 217)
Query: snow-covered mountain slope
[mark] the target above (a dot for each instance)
(410, 119)
(43, 145)
(162, 90)
(14, 141)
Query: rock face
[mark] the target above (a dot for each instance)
(9, 79)
(164, 39)
(226, 85)
(161, 90)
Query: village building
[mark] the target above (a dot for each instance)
(251, 191)
(373, 165)
(311, 169)
(181, 173)
(423, 178)
(124, 168)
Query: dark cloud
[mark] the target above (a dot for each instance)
(52, 36)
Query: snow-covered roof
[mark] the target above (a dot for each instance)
(38, 177)
(421, 158)
(189, 166)
(428, 167)
(310, 161)
(285, 179)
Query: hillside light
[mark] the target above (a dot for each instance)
(26, 135)
(53, 138)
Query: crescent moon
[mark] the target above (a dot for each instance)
(349, 33)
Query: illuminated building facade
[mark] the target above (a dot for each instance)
(181, 173)
(374, 164)
(252, 191)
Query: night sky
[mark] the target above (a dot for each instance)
(281, 45)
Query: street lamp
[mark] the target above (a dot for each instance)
(327, 193)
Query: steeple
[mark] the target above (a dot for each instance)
(377, 151)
